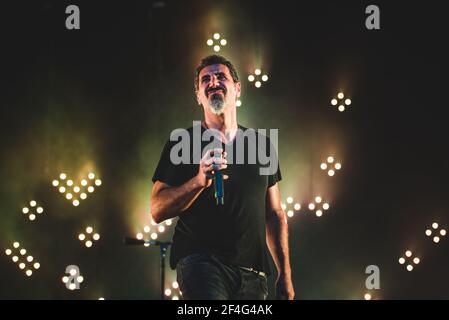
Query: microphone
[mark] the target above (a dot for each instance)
(218, 183)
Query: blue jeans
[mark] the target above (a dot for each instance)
(203, 276)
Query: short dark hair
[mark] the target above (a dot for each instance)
(215, 59)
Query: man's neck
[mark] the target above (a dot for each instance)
(224, 123)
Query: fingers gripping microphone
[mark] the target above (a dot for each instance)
(218, 183)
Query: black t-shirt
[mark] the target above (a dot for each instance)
(235, 232)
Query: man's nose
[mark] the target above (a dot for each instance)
(214, 81)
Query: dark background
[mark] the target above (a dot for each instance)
(106, 97)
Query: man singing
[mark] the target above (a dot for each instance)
(220, 249)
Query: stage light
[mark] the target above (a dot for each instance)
(139, 236)
(80, 187)
(325, 206)
(238, 103)
(146, 229)
(154, 236)
(290, 200)
(412, 260)
(290, 213)
(436, 238)
(318, 206)
(161, 229)
(319, 213)
(32, 210)
(318, 199)
(311, 206)
(36, 265)
(101, 298)
(72, 286)
(256, 76)
(283, 206)
(18, 256)
(342, 104)
(367, 296)
(152, 222)
(65, 279)
(80, 279)
(89, 238)
(175, 285)
(62, 176)
(216, 42)
(175, 298)
(168, 222)
(167, 292)
(330, 165)
(297, 206)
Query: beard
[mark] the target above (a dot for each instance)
(216, 104)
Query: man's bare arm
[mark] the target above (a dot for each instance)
(277, 241)
(169, 202)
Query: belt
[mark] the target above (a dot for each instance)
(260, 273)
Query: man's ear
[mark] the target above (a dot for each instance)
(197, 98)
(237, 89)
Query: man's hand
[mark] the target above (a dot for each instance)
(284, 288)
(213, 159)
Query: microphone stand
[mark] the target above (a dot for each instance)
(163, 246)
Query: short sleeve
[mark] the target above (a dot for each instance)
(166, 171)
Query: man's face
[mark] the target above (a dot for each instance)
(216, 89)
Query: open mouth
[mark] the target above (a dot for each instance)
(215, 91)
